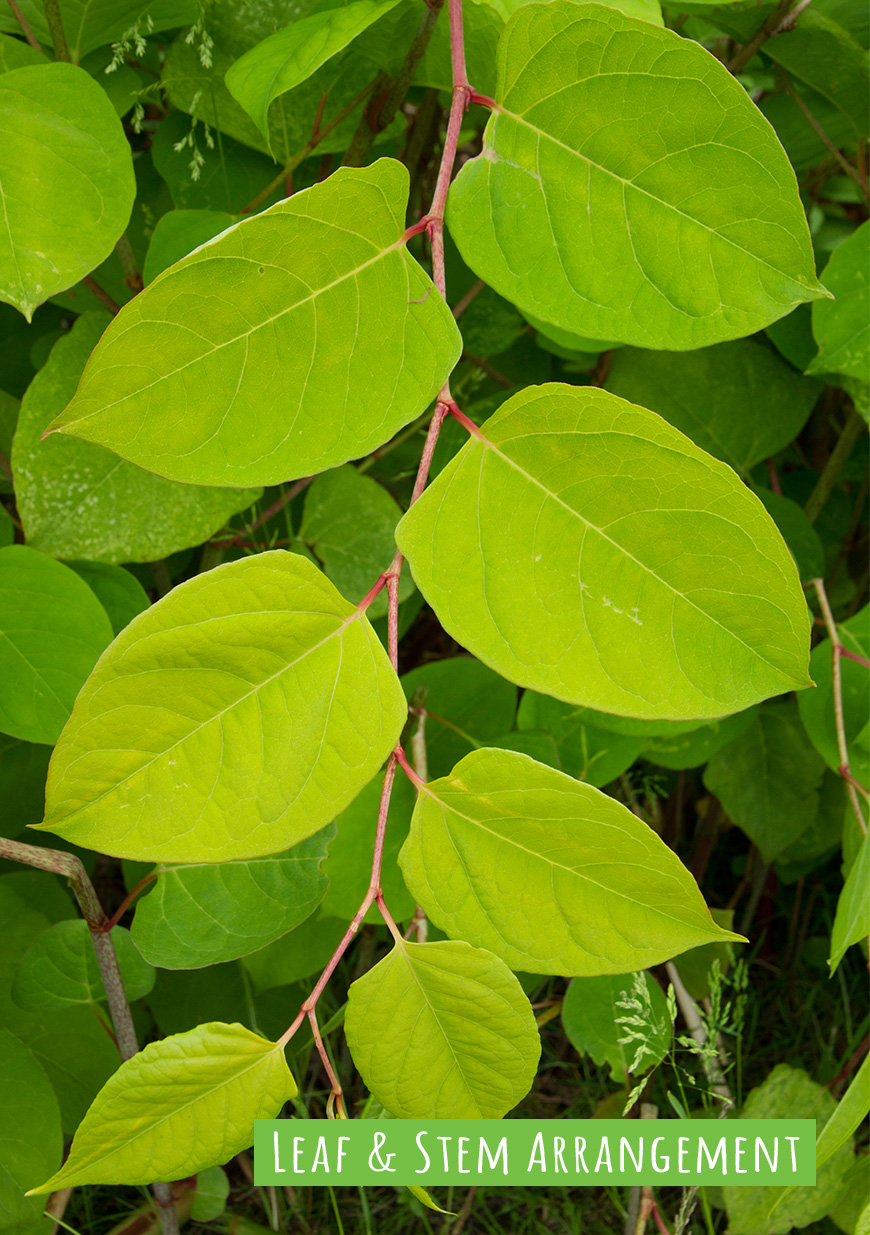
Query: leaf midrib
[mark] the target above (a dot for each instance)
(246, 334)
(445, 808)
(216, 716)
(500, 109)
(489, 445)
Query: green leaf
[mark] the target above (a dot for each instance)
(30, 1140)
(589, 1012)
(768, 779)
(290, 56)
(713, 396)
(821, 53)
(804, 542)
(349, 523)
(608, 561)
(442, 1031)
(182, 999)
(210, 1199)
(23, 769)
(86, 25)
(787, 1093)
(52, 630)
(179, 1106)
(201, 915)
(695, 967)
(262, 652)
(14, 52)
(22, 922)
(852, 921)
(228, 178)
(823, 835)
(850, 1111)
(179, 232)
(466, 704)
(348, 867)
(266, 395)
(120, 593)
(298, 955)
(842, 326)
(551, 875)
(77, 1054)
(78, 500)
(613, 146)
(61, 132)
(234, 29)
(817, 706)
(60, 969)
(694, 748)
(585, 751)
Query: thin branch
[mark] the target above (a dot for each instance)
(103, 296)
(311, 145)
(836, 462)
(461, 305)
(56, 30)
(695, 1026)
(69, 867)
(5, 466)
(25, 25)
(127, 258)
(770, 27)
(847, 167)
(381, 111)
(269, 513)
(837, 689)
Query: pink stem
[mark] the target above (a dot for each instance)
(434, 225)
(862, 660)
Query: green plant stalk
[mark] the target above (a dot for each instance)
(55, 26)
(132, 273)
(70, 867)
(834, 466)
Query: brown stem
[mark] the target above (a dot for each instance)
(56, 30)
(103, 296)
(25, 25)
(461, 305)
(770, 27)
(837, 690)
(269, 513)
(307, 149)
(5, 466)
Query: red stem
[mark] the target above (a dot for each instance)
(433, 223)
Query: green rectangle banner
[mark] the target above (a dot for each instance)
(529, 1151)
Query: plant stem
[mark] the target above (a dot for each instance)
(70, 867)
(56, 30)
(25, 25)
(103, 296)
(311, 145)
(837, 690)
(132, 273)
(847, 167)
(770, 27)
(434, 220)
(269, 513)
(835, 464)
(378, 118)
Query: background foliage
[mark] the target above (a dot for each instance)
(136, 135)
